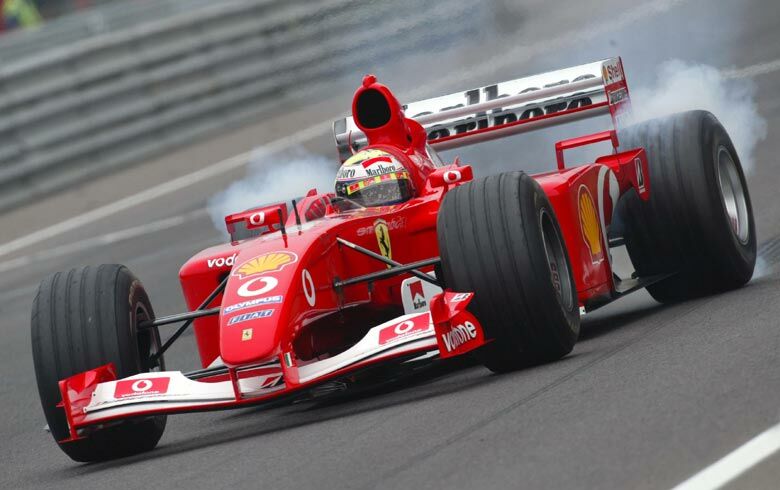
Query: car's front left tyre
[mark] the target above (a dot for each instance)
(499, 238)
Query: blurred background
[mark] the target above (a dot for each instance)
(88, 87)
(91, 86)
(129, 128)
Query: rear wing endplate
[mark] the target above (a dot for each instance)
(507, 108)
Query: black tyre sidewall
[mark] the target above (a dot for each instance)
(554, 311)
(82, 319)
(684, 228)
(741, 257)
(491, 243)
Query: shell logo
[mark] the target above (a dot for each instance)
(267, 262)
(589, 223)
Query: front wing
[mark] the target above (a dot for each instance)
(96, 397)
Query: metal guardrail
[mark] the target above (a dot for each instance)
(97, 20)
(72, 112)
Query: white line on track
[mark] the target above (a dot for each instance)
(523, 52)
(753, 70)
(103, 240)
(735, 463)
(493, 63)
(9, 296)
(160, 190)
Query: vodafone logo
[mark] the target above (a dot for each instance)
(459, 335)
(141, 387)
(404, 329)
(452, 176)
(257, 219)
(221, 261)
(257, 286)
(308, 287)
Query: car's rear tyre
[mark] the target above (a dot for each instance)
(82, 319)
(499, 238)
(698, 221)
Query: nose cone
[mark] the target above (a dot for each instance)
(276, 285)
(253, 316)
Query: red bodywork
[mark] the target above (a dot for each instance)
(412, 235)
(280, 309)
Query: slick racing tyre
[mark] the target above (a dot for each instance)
(698, 222)
(499, 238)
(82, 319)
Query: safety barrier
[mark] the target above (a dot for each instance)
(99, 19)
(109, 100)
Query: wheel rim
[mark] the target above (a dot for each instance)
(556, 260)
(733, 195)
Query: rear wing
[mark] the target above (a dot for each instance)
(507, 108)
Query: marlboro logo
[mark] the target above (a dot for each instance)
(417, 294)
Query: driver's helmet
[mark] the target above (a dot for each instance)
(374, 178)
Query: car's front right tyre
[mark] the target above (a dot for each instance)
(83, 319)
(698, 223)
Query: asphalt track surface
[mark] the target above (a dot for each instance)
(650, 396)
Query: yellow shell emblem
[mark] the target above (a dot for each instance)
(589, 223)
(268, 262)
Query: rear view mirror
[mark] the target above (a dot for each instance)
(256, 222)
(452, 174)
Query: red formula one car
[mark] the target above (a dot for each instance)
(409, 261)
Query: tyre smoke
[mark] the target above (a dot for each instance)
(272, 178)
(763, 267)
(678, 86)
(681, 86)
(669, 87)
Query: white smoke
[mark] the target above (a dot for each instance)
(273, 177)
(681, 87)
(671, 86)
(763, 267)
(678, 87)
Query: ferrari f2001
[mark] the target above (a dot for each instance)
(407, 261)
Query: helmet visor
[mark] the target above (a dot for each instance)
(381, 190)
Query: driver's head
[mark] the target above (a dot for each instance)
(374, 178)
